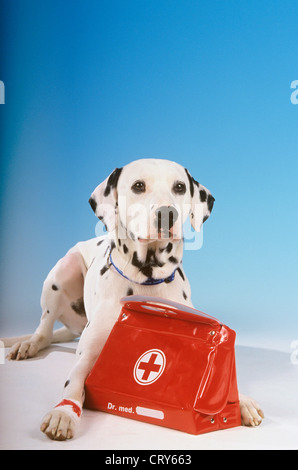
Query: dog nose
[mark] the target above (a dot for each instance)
(166, 217)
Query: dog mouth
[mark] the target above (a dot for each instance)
(160, 235)
(153, 239)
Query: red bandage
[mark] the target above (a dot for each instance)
(75, 408)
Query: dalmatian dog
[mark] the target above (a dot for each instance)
(143, 206)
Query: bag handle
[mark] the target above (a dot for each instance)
(168, 308)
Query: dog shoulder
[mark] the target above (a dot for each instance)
(93, 248)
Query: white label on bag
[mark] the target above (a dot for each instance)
(149, 367)
(149, 412)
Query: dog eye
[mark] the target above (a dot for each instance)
(138, 187)
(179, 188)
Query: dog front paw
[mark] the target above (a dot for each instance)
(251, 413)
(60, 423)
(23, 350)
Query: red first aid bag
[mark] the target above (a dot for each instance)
(167, 364)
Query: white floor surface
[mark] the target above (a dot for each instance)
(29, 389)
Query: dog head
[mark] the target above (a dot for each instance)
(150, 199)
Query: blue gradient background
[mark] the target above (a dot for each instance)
(92, 85)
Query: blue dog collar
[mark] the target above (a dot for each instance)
(150, 281)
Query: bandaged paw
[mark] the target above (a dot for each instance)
(71, 407)
(61, 422)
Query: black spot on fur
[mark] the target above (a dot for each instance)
(112, 181)
(93, 204)
(54, 287)
(129, 291)
(172, 259)
(99, 243)
(138, 264)
(151, 258)
(181, 273)
(125, 249)
(168, 248)
(135, 260)
(66, 383)
(146, 267)
(192, 181)
(132, 235)
(210, 202)
(184, 295)
(104, 270)
(48, 311)
(203, 195)
(79, 307)
(191, 187)
(168, 279)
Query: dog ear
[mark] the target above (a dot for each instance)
(201, 203)
(103, 200)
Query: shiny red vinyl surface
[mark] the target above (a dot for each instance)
(167, 364)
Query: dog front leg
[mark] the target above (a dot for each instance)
(61, 422)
